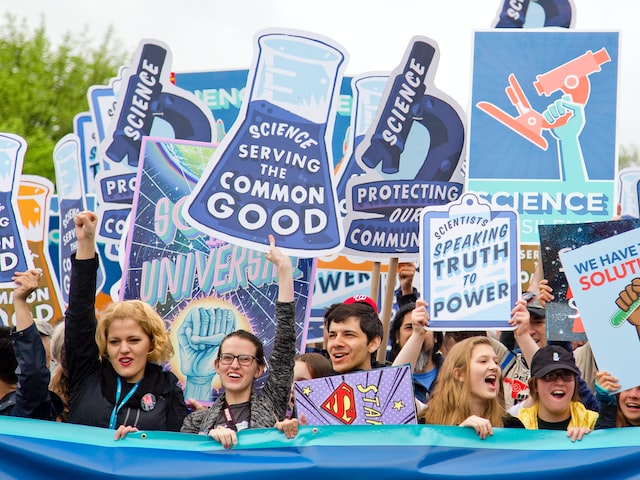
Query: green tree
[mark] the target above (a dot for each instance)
(43, 87)
(628, 156)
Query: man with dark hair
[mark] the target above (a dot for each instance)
(354, 333)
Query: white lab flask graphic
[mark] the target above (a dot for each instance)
(367, 93)
(629, 192)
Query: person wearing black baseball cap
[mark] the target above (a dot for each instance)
(553, 389)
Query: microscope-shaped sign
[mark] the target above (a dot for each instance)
(412, 157)
(535, 14)
(147, 104)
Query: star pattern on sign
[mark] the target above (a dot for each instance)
(307, 391)
(398, 405)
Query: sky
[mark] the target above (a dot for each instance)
(206, 35)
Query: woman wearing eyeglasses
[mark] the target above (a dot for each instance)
(553, 389)
(241, 361)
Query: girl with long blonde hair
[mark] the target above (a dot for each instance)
(467, 390)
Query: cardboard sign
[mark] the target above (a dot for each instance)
(14, 250)
(72, 201)
(470, 258)
(33, 203)
(563, 318)
(273, 171)
(383, 396)
(601, 275)
(202, 287)
(411, 156)
(543, 125)
(147, 104)
(535, 14)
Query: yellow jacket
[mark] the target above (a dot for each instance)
(580, 416)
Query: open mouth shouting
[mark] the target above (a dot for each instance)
(125, 361)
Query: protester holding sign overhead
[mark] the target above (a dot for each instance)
(241, 361)
(113, 363)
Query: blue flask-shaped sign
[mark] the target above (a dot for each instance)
(14, 251)
(72, 201)
(272, 174)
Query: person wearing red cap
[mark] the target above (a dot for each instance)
(354, 333)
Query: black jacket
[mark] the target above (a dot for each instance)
(158, 403)
(32, 398)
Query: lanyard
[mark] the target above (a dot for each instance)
(118, 406)
(231, 423)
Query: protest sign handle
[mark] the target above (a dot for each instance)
(386, 308)
(375, 281)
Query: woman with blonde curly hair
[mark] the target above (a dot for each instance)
(467, 390)
(115, 377)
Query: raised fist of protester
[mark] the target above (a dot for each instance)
(26, 283)
(406, 272)
(86, 223)
(420, 317)
(545, 293)
(199, 339)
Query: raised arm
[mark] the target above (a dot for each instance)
(520, 319)
(80, 317)
(277, 389)
(32, 396)
(285, 271)
(86, 234)
(411, 350)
